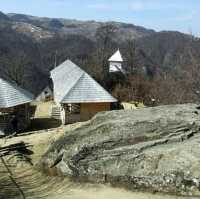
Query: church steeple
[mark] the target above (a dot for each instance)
(115, 62)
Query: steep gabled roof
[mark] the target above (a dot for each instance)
(73, 85)
(86, 90)
(12, 95)
(66, 69)
(116, 57)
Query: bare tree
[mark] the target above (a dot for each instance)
(105, 35)
(15, 69)
(131, 54)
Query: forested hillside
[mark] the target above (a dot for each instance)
(162, 67)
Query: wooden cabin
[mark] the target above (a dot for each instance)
(14, 108)
(77, 95)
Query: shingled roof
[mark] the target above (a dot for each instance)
(11, 95)
(73, 85)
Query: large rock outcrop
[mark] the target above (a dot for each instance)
(156, 149)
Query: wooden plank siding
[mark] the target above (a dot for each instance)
(88, 110)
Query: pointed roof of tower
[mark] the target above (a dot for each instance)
(116, 57)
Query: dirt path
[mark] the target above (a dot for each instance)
(43, 109)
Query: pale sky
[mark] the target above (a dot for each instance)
(180, 15)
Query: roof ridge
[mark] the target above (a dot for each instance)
(73, 86)
(100, 86)
(96, 84)
(68, 61)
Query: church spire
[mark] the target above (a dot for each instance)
(115, 62)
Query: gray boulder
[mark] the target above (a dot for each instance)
(151, 149)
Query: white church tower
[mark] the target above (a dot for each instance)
(115, 62)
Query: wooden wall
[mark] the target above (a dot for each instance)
(7, 110)
(88, 110)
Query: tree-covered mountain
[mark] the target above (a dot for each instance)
(84, 28)
(31, 46)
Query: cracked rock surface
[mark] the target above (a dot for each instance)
(151, 149)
